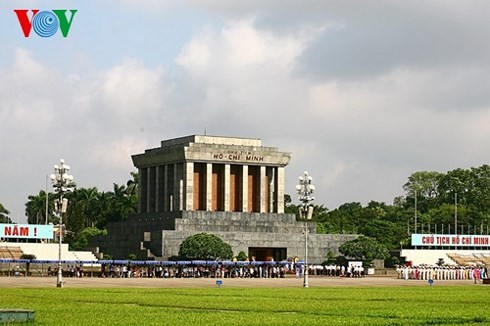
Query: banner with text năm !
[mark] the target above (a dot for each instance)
(26, 231)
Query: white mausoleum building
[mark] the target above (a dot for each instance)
(231, 187)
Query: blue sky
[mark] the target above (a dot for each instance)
(361, 92)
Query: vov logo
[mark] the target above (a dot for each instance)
(45, 23)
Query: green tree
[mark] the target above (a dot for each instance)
(365, 249)
(242, 256)
(81, 239)
(74, 218)
(425, 185)
(4, 215)
(289, 207)
(348, 218)
(88, 199)
(127, 205)
(445, 215)
(87, 208)
(205, 246)
(36, 208)
(385, 232)
(132, 185)
(120, 204)
(320, 213)
(331, 258)
(479, 190)
(321, 228)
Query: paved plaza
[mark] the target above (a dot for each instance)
(315, 281)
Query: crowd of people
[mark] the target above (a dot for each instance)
(196, 271)
(354, 270)
(190, 269)
(269, 270)
(130, 269)
(70, 271)
(448, 272)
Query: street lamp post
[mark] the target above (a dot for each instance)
(305, 190)
(455, 213)
(62, 184)
(415, 228)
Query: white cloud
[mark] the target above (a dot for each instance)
(362, 98)
(239, 46)
(116, 153)
(148, 5)
(94, 121)
(347, 131)
(240, 72)
(130, 88)
(23, 89)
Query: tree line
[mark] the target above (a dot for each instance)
(431, 198)
(89, 210)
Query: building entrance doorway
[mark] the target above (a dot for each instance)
(267, 254)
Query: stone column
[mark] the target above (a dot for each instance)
(142, 190)
(161, 194)
(227, 188)
(152, 188)
(280, 190)
(157, 188)
(148, 189)
(244, 180)
(188, 191)
(262, 195)
(209, 186)
(156, 191)
(165, 194)
(181, 196)
(176, 186)
(271, 172)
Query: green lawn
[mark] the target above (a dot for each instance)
(458, 305)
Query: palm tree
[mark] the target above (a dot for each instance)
(119, 204)
(89, 201)
(125, 203)
(36, 208)
(75, 216)
(105, 211)
(4, 215)
(132, 186)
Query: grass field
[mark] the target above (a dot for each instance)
(463, 305)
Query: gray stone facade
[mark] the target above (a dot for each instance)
(158, 236)
(230, 187)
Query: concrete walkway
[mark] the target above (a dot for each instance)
(314, 281)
